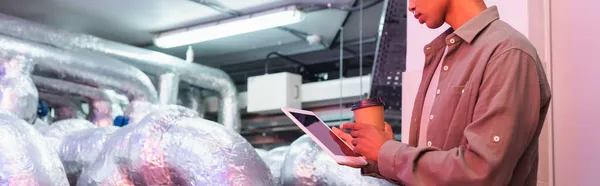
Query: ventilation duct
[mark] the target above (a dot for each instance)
(99, 103)
(25, 157)
(307, 164)
(64, 107)
(84, 68)
(171, 146)
(18, 95)
(147, 60)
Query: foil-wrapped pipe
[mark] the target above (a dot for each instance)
(261, 153)
(82, 67)
(137, 110)
(147, 60)
(168, 88)
(100, 112)
(25, 157)
(40, 124)
(64, 127)
(118, 102)
(78, 150)
(307, 164)
(191, 98)
(18, 95)
(172, 146)
(274, 160)
(64, 107)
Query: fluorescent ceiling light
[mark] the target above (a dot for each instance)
(239, 25)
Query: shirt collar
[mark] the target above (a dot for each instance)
(468, 32)
(473, 27)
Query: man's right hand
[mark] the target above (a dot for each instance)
(348, 139)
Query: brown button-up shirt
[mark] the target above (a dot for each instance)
(488, 116)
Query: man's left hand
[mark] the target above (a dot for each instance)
(367, 139)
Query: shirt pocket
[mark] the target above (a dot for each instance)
(460, 100)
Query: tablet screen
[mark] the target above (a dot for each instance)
(324, 134)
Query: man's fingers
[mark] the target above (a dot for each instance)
(388, 127)
(352, 126)
(345, 136)
(355, 133)
(354, 141)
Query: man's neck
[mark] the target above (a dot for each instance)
(460, 12)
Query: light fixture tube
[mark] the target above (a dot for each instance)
(239, 25)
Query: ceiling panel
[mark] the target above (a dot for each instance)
(136, 21)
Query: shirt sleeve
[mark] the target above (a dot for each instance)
(505, 121)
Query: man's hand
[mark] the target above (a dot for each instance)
(367, 140)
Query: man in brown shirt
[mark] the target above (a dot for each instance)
(486, 112)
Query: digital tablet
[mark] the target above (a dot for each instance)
(321, 134)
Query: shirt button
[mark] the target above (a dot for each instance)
(496, 138)
(438, 91)
(428, 48)
(462, 91)
(429, 143)
(446, 67)
(452, 41)
(431, 117)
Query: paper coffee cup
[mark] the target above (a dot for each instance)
(370, 111)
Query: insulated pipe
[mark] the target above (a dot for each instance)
(100, 104)
(26, 158)
(85, 68)
(64, 108)
(191, 98)
(147, 60)
(172, 146)
(18, 95)
(168, 88)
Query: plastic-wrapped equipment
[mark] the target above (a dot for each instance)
(18, 94)
(79, 149)
(172, 146)
(274, 160)
(307, 164)
(40, 125)
(25, 157)
(261, 153)
(137, 110)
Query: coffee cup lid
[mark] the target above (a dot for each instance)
(370, 102)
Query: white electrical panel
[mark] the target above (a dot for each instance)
(269, 93)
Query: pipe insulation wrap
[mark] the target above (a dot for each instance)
(191, 97)
(80, 149)
(147, 60)
(307, 164)
(137, 110)
(100, 112)
(168, 88)
(172, 146)
(64, 107)
(25, 157)
(40, 125)
(18, 95)
(274, 160)
(86, 68)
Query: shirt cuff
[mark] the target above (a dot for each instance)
(370, 169)
(386, 162)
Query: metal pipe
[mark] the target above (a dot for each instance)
(18, 95)
(85, 68)
(168, 88)
(191, 97)
(149, 61)
(64, 108)
(100, 104)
